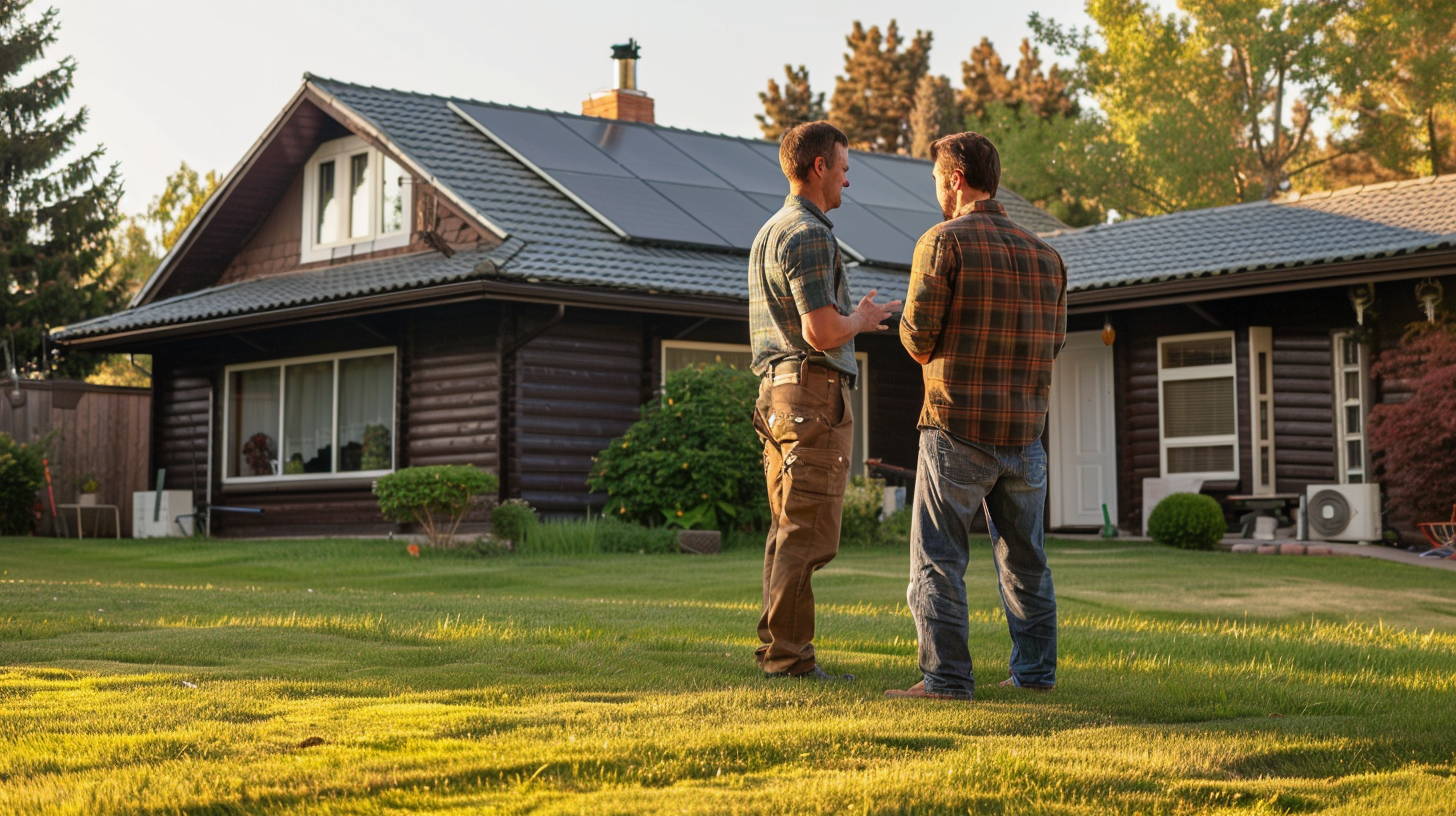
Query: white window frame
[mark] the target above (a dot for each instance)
(1261, 409)
(860, 395)
(1208, 372)
(1343, 435)
(339, 151)
(282, 366)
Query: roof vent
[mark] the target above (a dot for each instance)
(624, 101)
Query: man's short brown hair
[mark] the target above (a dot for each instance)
(973, 155)
(802, 144)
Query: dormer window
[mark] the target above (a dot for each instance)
(355, 201)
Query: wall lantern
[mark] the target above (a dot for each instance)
(1362, 297)
(1429, 292)
(1108, 333)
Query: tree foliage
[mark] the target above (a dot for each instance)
(936, 113)
(21, 475)
(1413, 443)
(873, 98)
(1397, 90)
(56, 216)
(793, 104)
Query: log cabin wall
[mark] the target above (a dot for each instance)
(572, 390)
(105, 434)
(181, 396)
(1304, 419)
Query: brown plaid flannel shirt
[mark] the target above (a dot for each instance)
(988, 302)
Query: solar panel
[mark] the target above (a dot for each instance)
(543, 140)
(732, 215)
(662, 185)
(742, 167)
(642, 152)
(639, 210)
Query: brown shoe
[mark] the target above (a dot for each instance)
(1010, 682)
(918, 691)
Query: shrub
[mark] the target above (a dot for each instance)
(863, 501)
(1188, 521)
(693, 460)
(21, 475)
(895, 529)
(1413, 443)
(435, 497)
(88, 483)
(512, 520)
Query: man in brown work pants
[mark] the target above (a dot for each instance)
(803, 347)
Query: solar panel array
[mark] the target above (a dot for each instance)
(670, 186)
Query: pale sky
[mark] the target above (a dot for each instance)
(199, 80)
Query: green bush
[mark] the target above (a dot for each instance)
(863, 501)
(1188, 521)
(435, 497)
(693, 459)
(895, 529)
(21, 475)
(513, 520)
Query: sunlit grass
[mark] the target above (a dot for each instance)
(345, 677)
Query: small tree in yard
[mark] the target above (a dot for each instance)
(436, 497)
(1413, 443)
(693, 459)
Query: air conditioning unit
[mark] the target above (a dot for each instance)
(151, 518)
(1343, 512)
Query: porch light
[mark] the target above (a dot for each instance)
(1429, 292)
(1109, 334)
(1362, 297)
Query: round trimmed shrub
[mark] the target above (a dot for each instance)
(693, 460)
(1188, 521)
(436, 497)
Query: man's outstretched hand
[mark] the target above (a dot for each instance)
(872, 315)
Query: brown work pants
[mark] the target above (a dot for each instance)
(807, 432)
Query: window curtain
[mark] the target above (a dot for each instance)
(308, 418)
(366, 413)
(253, 449)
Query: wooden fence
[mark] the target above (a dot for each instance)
(100, 430)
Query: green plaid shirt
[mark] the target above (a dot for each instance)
(795, 268)
(988, 303)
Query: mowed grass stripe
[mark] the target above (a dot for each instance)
(164, 677)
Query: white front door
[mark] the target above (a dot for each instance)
(1083, 456)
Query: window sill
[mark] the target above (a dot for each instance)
(302, 484)
(338, 251)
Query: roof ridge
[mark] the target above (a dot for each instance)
(1356, 189)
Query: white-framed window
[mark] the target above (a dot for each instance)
(355, 200)
(1352, 378)
(326, 416)
(1261, 406)
(1198, 416)
(679, 354)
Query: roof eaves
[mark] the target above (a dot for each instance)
(376, 132)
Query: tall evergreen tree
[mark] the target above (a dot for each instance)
(794, 104)
(56, 219)
(983, 79)
(1037, 92)
(873, 99)
(936, 113)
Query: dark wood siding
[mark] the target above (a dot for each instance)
(1304, 422)
(451, 406)
(1136, 403)
(181, 397)
(575, 387)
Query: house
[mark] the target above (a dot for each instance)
(391, 279)
(1243, 342)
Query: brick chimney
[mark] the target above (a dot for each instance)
(623, 101)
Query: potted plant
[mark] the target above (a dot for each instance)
(88, 486)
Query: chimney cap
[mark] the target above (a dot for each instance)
(628, 50)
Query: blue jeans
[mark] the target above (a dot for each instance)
(954, 476)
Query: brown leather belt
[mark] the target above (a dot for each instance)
(791, 371)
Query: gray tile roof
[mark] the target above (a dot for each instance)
(1361, 222)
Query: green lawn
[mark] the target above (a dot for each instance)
(191, 677)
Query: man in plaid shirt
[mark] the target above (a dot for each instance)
(985, 316)
(803, 330)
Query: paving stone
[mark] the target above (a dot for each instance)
(1245, 548)
(1268, 549)
(1291, 548)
